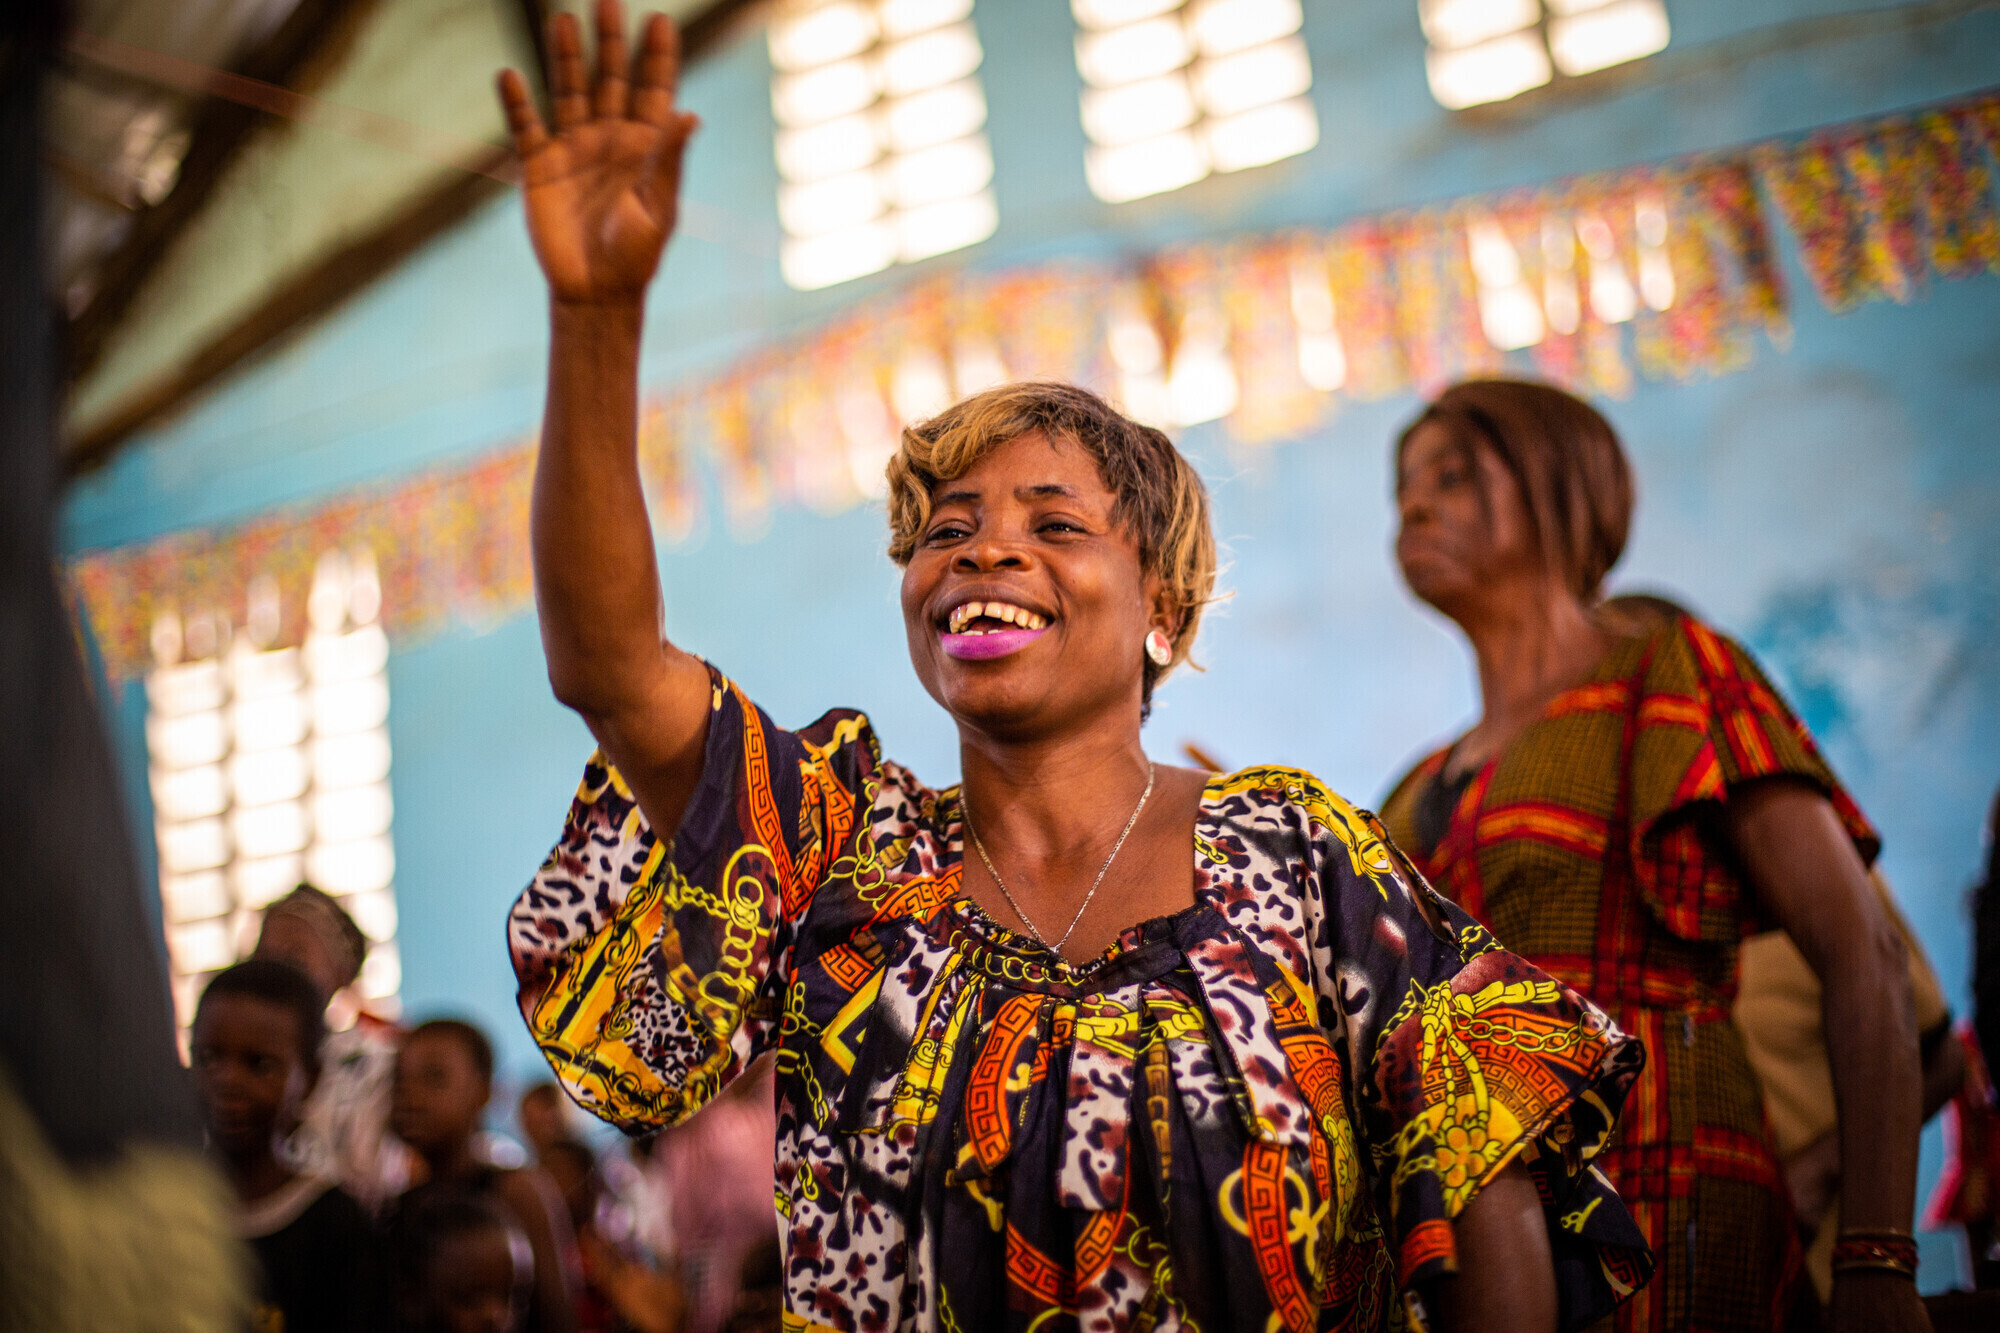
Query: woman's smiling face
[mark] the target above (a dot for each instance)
(1024, 601)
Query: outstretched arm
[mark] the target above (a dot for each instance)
(1810, 879)
(601, 193)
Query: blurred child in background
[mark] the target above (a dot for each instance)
(625, 1288)
(444, 1079)
(545, 1119)
(255, 1049)
(463, 1265)
(344, 1135)
(716, 1171)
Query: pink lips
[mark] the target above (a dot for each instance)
(979, 647)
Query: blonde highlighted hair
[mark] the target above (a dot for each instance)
(1160, 497)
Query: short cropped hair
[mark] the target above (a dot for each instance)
(324, 915)
(1565, 457)
(1160, 497)
(470, 1038)
(281, 986)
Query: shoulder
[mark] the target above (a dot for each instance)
(1267, 799)
(1274, 787)
(1688, 654)
(1407, 786)
(843, 739)
(1298, 867)
(1693, 679)
(529, 1191)
(843, 755)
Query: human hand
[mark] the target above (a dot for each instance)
(1876, 1302)
(602, 192)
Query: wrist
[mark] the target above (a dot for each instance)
(619, 308)
(1885, 1252)
(599, 327)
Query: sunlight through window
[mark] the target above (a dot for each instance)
(1490, 50)
(881, 145)
(269, 766)
(1176, 89)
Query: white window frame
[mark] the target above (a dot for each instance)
(1483, 51)
(1175, 90)
(881, 139)
(269, 766)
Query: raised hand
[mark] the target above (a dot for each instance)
(602, 192)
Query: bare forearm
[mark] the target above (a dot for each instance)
(1877, 1083)
(600, 193)
(1810, 878)
(596, 584)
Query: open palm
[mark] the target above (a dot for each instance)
(602, 191)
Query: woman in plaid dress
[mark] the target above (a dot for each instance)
(1628, 805)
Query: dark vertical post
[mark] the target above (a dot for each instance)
(86, 1024)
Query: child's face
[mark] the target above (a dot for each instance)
(248, 1071)
(477, 1285)
(542, 1116)
(438, 1095)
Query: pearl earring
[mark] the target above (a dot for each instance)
(1159, 648)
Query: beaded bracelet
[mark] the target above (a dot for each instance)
(1877, 1251)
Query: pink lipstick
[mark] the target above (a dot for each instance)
(980, 647)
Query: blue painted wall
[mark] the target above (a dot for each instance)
(1837, 505)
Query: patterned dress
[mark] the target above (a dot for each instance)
(1256, 1114)
(1590, 847)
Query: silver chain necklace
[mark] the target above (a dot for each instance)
(1152, 772)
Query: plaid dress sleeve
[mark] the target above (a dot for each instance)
(651, 973)
(1707, 720)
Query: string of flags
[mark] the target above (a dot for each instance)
(1664, 272)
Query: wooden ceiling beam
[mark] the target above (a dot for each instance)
(343, 274)
(219, 131)
(291, 305)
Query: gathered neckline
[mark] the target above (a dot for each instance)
(950, 830)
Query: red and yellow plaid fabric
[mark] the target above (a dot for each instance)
(1591, 846)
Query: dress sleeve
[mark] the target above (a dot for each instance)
(651, 974)
(1467, 1059)
(1707, 720)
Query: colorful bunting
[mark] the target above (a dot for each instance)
(1266, 333)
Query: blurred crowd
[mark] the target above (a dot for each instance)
(374, 1196)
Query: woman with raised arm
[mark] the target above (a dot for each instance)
(1164, 1050)
(1635, 796)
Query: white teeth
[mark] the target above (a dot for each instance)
(1004, 612)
